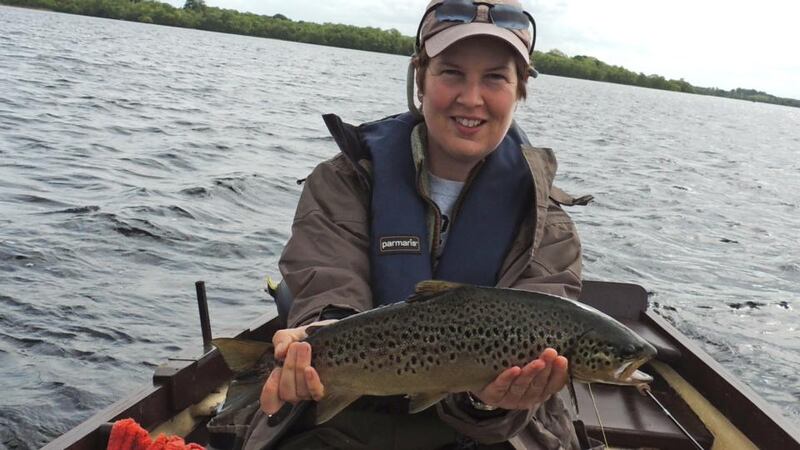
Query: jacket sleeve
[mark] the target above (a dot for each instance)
(556, 265)
(555, 268)
(325, 263)
(487, 430)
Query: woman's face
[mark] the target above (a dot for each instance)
(468, 103)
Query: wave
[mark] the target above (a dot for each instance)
(75, 210)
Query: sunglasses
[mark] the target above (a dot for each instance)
(465, 11)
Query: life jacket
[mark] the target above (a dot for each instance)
(494, 206)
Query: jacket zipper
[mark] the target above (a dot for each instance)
(437, 220)
(461, 196)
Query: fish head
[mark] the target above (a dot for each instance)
(610, 355)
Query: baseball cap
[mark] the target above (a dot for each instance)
(449, 21)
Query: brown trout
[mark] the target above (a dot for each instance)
(455, 338)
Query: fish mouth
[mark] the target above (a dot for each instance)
(630, 373)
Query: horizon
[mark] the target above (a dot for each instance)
(722, 44)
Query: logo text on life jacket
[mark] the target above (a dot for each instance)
(399, 244)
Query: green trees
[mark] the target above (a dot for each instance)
(556, 62)
(196, 14)
(194, 4)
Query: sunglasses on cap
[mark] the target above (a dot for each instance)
(465, 11)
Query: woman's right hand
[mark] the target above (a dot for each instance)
(296, 380)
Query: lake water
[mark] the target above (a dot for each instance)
(137, 159)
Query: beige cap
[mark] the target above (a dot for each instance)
(436, 36)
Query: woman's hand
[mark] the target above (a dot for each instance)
(296, 380)
(529, 386)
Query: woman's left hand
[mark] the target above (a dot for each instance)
(529, 386)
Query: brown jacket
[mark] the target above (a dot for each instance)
(326, 261)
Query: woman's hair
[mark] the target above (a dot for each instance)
(421, 62)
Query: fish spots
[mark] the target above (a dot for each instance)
(483, 331)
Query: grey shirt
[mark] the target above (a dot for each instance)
(445, 194)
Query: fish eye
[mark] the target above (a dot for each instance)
(629, 350)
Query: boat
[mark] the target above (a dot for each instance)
(695, 402)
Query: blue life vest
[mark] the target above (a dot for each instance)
(496, 203)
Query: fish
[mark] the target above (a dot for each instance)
(449, 338)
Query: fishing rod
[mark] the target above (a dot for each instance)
(645, 389)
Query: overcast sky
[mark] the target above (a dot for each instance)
(710, 43)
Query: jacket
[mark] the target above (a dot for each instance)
(326, 260)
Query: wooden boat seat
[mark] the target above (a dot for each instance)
(666, 351)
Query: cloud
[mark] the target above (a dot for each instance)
(708, 43)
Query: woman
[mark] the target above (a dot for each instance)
(456, 194)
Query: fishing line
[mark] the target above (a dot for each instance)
(597, 413)
(646, 389)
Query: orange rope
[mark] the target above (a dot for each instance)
(126, 434)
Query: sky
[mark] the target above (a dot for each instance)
(710, 43)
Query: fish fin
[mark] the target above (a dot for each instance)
(572, 394)
(431, 288)
(241, 354)
(333, 404)
(571, 382)
(311, 329)
(422, 401)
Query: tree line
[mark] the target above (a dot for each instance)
(196, 14)
(556, 62)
